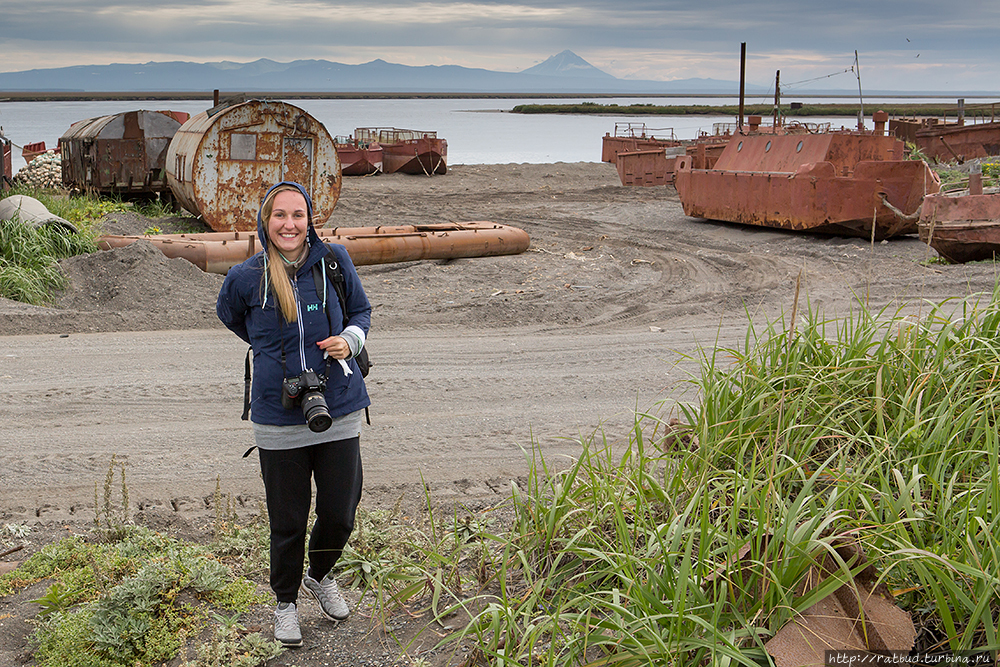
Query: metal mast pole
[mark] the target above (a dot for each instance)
(743, 75)
(861, 113)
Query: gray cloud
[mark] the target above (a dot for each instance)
(653, 39)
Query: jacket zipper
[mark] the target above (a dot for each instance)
(302, 333)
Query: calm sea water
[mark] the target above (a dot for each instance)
(479, 131)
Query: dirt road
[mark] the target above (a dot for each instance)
(475, 359)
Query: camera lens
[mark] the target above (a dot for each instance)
(316, 413)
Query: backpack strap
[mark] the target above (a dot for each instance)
(246, 394)
(246, 386)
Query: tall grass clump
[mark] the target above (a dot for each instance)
(29, 256)
(697, 542)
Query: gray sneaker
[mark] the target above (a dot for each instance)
(326, 592)
(286, 625)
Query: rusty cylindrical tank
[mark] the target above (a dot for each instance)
(221, 162)
(119, 154)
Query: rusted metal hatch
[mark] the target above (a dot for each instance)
(221, 162)
(120, 153)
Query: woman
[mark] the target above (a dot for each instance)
(291, 316)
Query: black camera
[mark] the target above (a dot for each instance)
(307, 390)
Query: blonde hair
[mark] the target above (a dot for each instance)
(276, 272)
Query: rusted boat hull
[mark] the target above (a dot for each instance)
(812, 199)
(358, 160)
(843, 184)
(419, 156)
(635, 137)
(947, 142)
(961, 228)
(123, 153)
(33, 150)
(218, 252)
(221, 162)
(612, 146)
(646, 168)
(407, 151)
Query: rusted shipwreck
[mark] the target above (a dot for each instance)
(633, 137)
(407, 151)
(358, 157)
(851, 183)
(644, 159)
(217, 252)
(962, 226)
(974, 133)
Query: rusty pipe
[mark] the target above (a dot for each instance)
(366, 245)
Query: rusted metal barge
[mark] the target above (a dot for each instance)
(960, 140)
(123, 153)
(644, 160)
(218, 252)
(848, 183)
(634, 137)
(358, 158)
(222, 161)
(962, 226)
(407, 151)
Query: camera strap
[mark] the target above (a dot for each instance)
(329, 272)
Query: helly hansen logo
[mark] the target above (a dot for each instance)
(312, 307)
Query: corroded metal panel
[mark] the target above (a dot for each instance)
(645, 168)
(785, 152)
(221, 162)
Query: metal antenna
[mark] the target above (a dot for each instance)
(861, 113)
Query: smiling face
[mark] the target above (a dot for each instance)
(288, 222)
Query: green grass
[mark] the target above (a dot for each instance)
(878, 428)
(29, 256)
(690, 543)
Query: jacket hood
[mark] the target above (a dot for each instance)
(311, 235)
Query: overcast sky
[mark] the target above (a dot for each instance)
(902, 45)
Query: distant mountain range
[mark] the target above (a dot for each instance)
(564, 73)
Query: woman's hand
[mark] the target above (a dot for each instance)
(336, 347)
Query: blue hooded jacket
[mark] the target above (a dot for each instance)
(249, 308)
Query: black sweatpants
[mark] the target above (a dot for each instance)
(288, 475)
